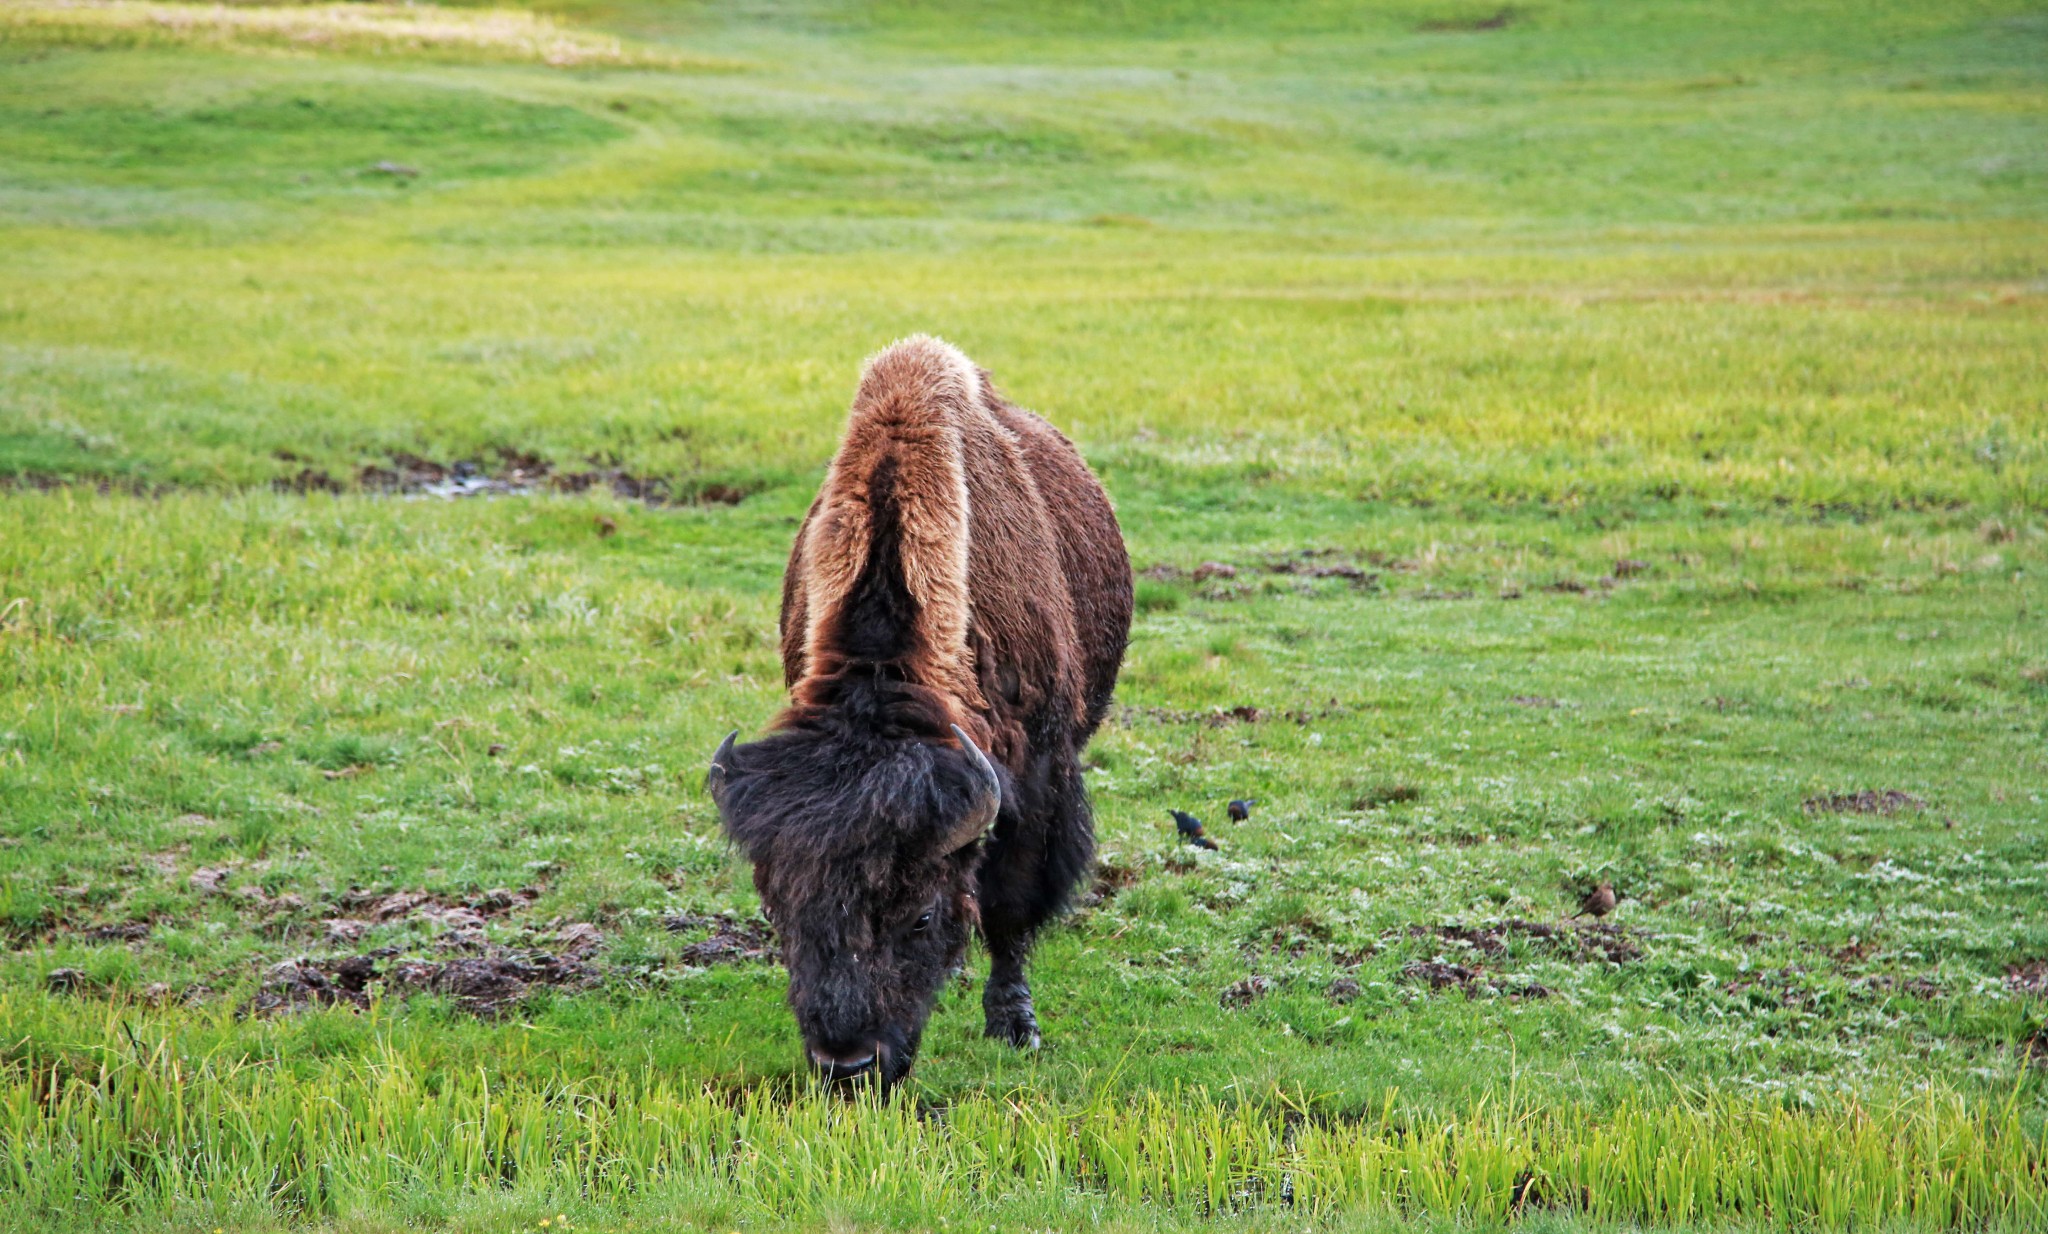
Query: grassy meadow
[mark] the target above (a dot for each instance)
(1559, 442)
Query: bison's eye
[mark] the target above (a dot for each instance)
(922, 923)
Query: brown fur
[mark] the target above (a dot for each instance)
(1020, 612)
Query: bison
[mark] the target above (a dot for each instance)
(953, 617)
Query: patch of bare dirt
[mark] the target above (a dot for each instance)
(492, 984)
(732, 941)
(1472, 982)
(508, 473)
(298, 984)
(1343, 990)
(2030, 977)
(2034, 1050)
(485, 985)
(1316, 563)
(1224, 717)
(1244, 993)
(1386, 795)
(1892, 984)
(1869, 801)
(1499, 19)
(122, 932)
(1111, 878)
(1582, 942)
(387, 906)
(1440, 976)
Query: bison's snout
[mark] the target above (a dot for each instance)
(851, 1062)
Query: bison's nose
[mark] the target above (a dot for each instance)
(844, 1064)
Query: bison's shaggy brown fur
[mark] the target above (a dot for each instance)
(961, 567)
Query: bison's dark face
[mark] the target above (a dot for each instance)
(865, 856)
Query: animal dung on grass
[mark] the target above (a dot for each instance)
(954, 616)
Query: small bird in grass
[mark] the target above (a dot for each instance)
(1191, 830)
(1242, 809)
(1598, 902)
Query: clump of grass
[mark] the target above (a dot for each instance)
(497, 34)
(146, 1126)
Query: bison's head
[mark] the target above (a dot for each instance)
(865, 854)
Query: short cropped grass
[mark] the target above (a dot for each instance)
(1559, 442)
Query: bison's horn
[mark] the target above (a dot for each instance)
(986, 803)
(721, 767)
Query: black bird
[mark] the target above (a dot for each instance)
(1242, 810)
(1191, 830)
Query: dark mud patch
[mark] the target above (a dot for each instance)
(1869, 801)
(730, 940)
(2034, 1049)
(1343, 990)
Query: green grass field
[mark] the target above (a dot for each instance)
(1622, 429)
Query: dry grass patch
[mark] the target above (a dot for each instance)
(491, 34)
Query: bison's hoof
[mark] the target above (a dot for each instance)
(1020, 1031)
(1010, 1018)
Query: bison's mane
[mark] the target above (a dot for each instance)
(855, 771)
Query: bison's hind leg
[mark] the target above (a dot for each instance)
(1029, 874)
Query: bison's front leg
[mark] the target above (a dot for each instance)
(1006, 1000)
(1036, 857)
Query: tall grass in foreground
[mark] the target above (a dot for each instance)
(148, 1128)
